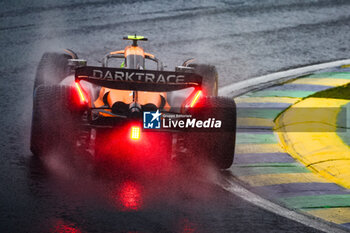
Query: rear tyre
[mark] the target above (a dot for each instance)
(216, 145)
(55, 124)
(210, 78)
(52, 69)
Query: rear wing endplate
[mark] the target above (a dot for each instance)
(142, 80)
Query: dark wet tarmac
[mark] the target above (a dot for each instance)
(242, 38)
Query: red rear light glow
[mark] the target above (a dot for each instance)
(196, 97)
(129, 196)
(80, 92)
(135, 133)
(63, 227)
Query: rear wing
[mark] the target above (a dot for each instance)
(141, 80)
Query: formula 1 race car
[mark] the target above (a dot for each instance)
(127, 112)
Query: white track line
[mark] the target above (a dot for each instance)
(239, 88)
(319, 224)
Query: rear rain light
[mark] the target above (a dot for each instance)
(80, 92)
(135, 133)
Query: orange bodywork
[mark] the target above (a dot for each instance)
(133, 50)
(117, 52)
(149, 55)
(126, 96)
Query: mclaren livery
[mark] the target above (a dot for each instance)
(101, 110)
(136, 76)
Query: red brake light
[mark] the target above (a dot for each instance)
(80, 92)
(135, 133)
(196, 97)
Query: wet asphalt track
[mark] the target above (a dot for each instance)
(242, 38)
